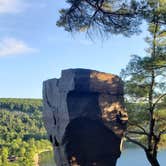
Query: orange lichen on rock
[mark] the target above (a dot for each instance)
(105, 83)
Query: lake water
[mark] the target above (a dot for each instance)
(129, 157)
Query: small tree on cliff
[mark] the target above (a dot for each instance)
(106, 17)
(146, 84)
(145, 81)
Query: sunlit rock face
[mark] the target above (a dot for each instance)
(85, 117)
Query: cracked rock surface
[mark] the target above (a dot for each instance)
(85, 118)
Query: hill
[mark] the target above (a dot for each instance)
(22, 132)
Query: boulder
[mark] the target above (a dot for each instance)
(85, 118)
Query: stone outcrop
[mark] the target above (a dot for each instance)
(85, 117)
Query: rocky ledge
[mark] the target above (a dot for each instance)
(85, 117)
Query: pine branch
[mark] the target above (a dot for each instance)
(99, 8)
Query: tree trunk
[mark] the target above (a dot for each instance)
(152, 159)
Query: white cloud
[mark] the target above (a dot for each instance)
(12, 46)
(12, 6)
(17, 6)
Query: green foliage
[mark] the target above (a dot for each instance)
(23, 105)
(137, 113)
(101, 16)
(146, 83)
(145, 87)
(4, 156)
(106, 17)
(22, 132)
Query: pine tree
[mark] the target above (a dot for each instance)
(146, 83)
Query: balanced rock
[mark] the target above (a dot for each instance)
(85, 118)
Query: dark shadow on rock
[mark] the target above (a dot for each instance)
(89, 142)
(83, 104)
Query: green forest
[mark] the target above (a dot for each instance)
(22, 133)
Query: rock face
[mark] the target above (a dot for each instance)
(85, 117)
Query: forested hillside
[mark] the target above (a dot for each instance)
(22, 133)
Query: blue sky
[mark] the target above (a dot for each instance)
(33, 49)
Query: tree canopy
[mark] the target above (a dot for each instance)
(106, 17)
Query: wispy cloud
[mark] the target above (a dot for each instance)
(12, 6)
(12, 46)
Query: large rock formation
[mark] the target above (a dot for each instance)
(85, 117)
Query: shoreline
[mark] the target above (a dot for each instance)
(36, 157)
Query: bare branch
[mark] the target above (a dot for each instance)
(156, 102)
(136, 142)
(137, 132)
(162, 22)
(140, 127)
(162, 132)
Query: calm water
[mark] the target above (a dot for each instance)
(136, 157)
(130, 157)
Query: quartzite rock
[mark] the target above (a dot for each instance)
(85, 117)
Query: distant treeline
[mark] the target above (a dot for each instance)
(23, 105)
